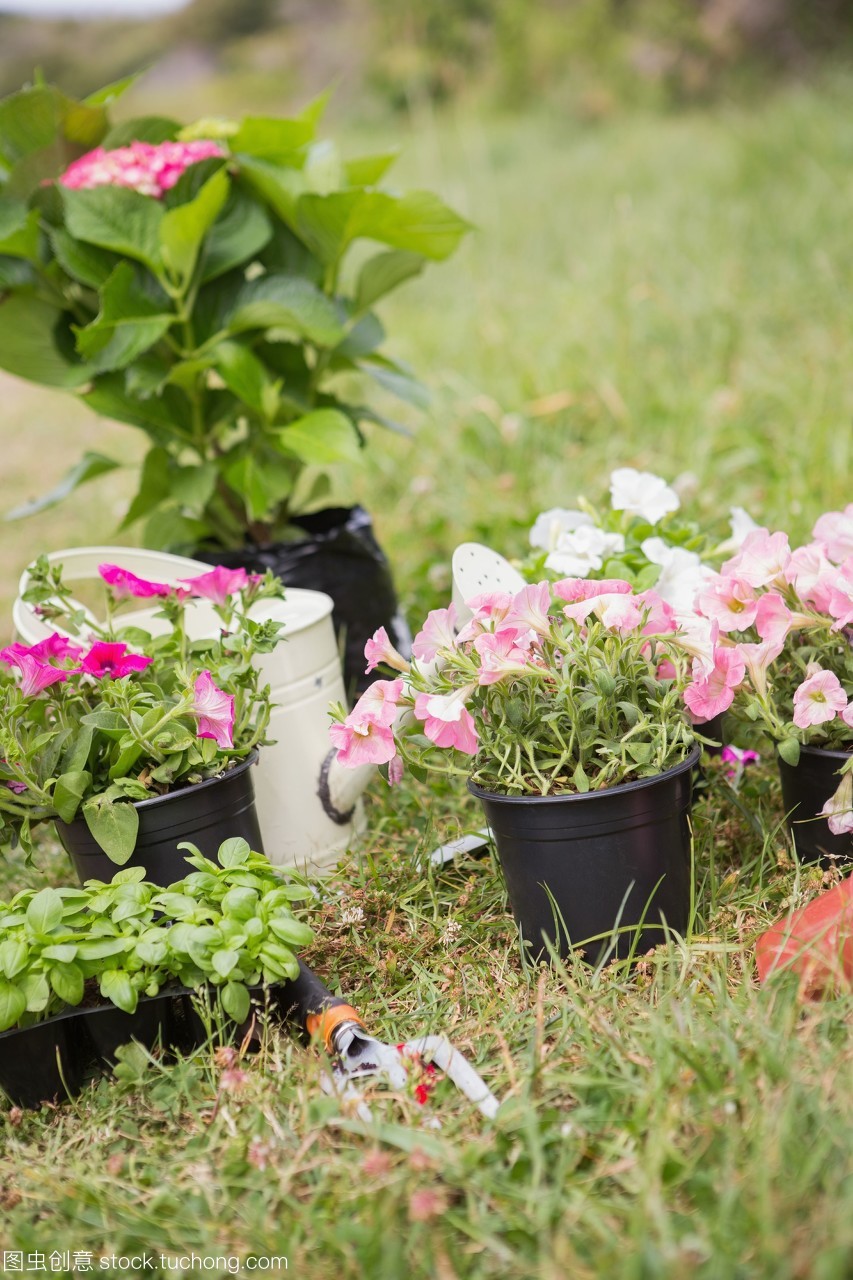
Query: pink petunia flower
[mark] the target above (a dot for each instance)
(812, 575)
(840, 605)
(488, 610)
(758, 658)
(731, 601)
(214, 710)
(18, 787)
(762, 559)
(124, 583)
(500, 657)
(35, 674)
(773, 619)
(529, 610)
(834, 531)
(438, 632)
(218, 585)
(111, 659)
(819, 698)
(659, 615)
(713, 692)
(574, 589)
(364, 742)
(838, 809)
(379, 649)
(146, 167)
(378, 704)
(447, 721)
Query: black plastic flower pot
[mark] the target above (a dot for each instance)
(806, 787)
(339, 554)
(45, 1062)
(206, 814)
(152, 1021)
(588, 871)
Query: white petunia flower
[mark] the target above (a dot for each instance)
(583, 552)
(643, 494)
(741, 523)
(550, 525)
(682, 574)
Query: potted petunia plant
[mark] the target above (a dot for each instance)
(207, 284)
(562, 705)
(781, 625)
(132, 740)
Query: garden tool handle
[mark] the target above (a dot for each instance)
(310, 1001)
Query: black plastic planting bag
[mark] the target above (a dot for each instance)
(339, 555)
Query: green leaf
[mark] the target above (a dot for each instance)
(152, 953)
(392, 377)
(101, 948)
(131, 319)
(236, 238)
(36, 991)
(40, 118)
(418, 222)
(114, 827)
(280, 188)
(272, 139)
(30, 330)
(116, 218)
(116, 986)
(384, 272)
(261, 485)
(154, 486)
(143, 129)
(112, 92)
(90, 466)
(366, 171)
(67, 981)
(580, 780)
(234, 852)
(44, 912)
(789, 750)
(235, 1001)
(321, 438)
(224, 961)
(85, 262)
(291, 931)
(68, 792)
(325, 222)
(23, 242)
(13, 216)
(13, 956)
(243, 373)
(281, 302)
(13, 1004)
(183, 228)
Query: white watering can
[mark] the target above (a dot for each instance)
(308, 805)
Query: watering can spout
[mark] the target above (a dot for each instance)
(339, 788)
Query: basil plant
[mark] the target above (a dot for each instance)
(209, 285)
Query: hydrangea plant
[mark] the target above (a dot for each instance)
(207, 285)
(95, 717)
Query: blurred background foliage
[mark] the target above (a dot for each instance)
(589, 56)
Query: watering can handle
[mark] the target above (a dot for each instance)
(81, 564)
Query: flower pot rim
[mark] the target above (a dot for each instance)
(240, 767)
(639, 784)
(829, 752)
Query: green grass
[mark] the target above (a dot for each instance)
(684, 284)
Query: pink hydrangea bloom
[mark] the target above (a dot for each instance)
(218, 585)
(378, 704)
(834, 531)
(35, 675)
(124, 583)
(818, 699)
(146, 167)
(731, 601)
(762, 559)
(214, 710)
(379, 649)
(362, 742)
(713, 692)
(112, 660)
(438, 632)
(447, 721)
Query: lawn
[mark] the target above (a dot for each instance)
(670, 293)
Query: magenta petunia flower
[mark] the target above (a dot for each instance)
(214, 710)
(218, 585)
(54, 649)
(124, 583)
(35, 674)
(146, 167)
(111, 660)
